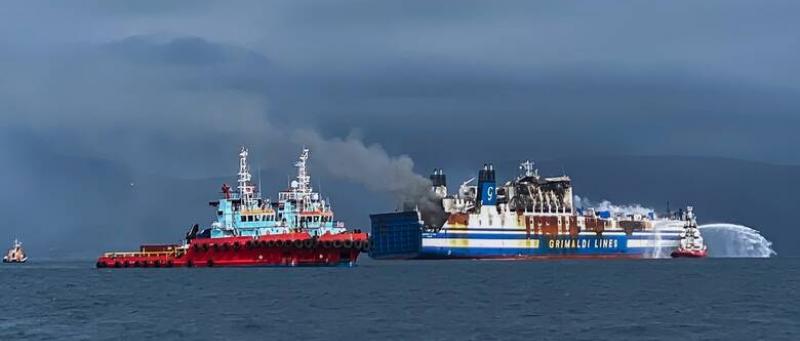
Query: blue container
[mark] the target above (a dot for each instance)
(395, 235)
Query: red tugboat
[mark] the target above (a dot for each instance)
(297, 230)
(691, 244)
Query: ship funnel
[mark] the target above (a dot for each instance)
(486, 185)
(438, 178)
(439, 182)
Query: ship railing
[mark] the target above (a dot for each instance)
(140, 254)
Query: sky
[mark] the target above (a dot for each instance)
(174, 88)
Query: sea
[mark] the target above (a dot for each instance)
(654, 299)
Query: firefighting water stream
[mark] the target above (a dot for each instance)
(727, 240)
(731, 240)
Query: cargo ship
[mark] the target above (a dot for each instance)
(298, 229)
(531, 216)
(15, 254)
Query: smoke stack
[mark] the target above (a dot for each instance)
(438, 179)
(439, 183)
(486, 186)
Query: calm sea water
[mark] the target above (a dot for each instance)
(711, 299)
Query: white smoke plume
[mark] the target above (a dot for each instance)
(616, 210)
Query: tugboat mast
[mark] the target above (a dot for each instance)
(245, 188)
(302, 189)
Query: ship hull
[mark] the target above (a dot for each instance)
(520, 246)
(272, 251)
(400, 236)
(682, 253)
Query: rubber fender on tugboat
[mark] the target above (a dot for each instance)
(210, 263)
(236, 245)
(117, 264)
(215, 246)
(337, 244)
(226, 246)
(157, 263)
(189, 264)
(298, 243)
(144, 264)
(100, 265)
(205, 247)
(357, 244)
(248, 244)
(347, 243)
(309, 243)
(169, 263)
(327, 244)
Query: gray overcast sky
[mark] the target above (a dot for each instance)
(177, 83)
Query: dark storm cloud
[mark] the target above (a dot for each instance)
(173, 88)
(723, 70)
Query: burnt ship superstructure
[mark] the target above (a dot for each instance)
(528, 217)
(298, 229)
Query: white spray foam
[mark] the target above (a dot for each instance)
(616, 210)
(731, 240)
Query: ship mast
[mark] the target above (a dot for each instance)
(303, 188)
(245, 188)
